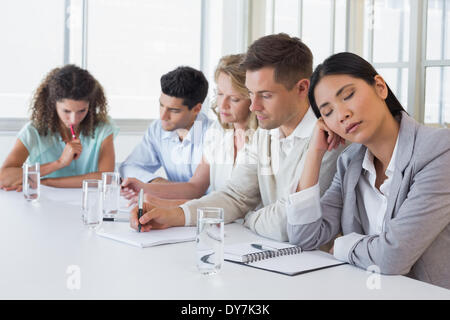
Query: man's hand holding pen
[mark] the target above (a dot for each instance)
(156, 217)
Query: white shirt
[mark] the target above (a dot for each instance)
(375, 201)
(277, 175)
(282, 146)
(303, 130)
(218, 150)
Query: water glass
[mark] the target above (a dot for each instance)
(210, 238)
(91, 204)
(111, 193)
(31, 181)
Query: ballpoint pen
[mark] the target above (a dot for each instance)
(73, 132)
(141, 203)
(116, 219)
(263, 247)
(73, 136)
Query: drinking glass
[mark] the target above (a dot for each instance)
(91, 205)
(31, 181)
(111, 193)
(210, 238)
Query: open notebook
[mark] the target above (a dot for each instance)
(123, 232)
(279, 257)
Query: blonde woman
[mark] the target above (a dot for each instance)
(224, 144)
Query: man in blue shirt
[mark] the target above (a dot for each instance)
(175, 141)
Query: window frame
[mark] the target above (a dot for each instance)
(417, 61)
(434, 63)
(254, 18)
(270, 21)
(233, 14)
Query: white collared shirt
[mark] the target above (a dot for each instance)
(303, 130)
(375, 201)
(218, 150)
(280, 147)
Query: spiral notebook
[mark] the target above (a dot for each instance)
(279, 257)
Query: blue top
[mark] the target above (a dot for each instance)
(45, 149)
(160, 148)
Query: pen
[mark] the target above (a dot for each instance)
(141, 203)
(116, 219)
(263, 247)
(73, 136)
(73, 132)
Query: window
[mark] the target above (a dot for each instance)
(437, 63)
(387, 42)
(407, 41)
(32, 44)
(321, 24)
(126, 44)
(389, 46)
(131, 43)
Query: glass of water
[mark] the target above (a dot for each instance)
(31, 181)
(91, 204)
(210, 237)
(111, 193)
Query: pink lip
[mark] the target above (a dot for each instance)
(352, 127)
(225, 114)
(260, 117)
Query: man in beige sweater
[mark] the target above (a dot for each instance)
(277, 77)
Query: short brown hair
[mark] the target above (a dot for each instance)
(291, 59)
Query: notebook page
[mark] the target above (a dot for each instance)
(292, 264)
(123, 232)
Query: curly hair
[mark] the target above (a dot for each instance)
(68, 82)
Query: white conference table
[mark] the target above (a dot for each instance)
(40, 242)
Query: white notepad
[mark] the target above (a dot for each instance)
(282, 258)
(122, 232)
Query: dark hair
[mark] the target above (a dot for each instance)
(291, 59)
(353, 65)
(68, 82)
(186, 83)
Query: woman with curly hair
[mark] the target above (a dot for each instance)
(69, 134)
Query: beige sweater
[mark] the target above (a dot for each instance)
(268, 177)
